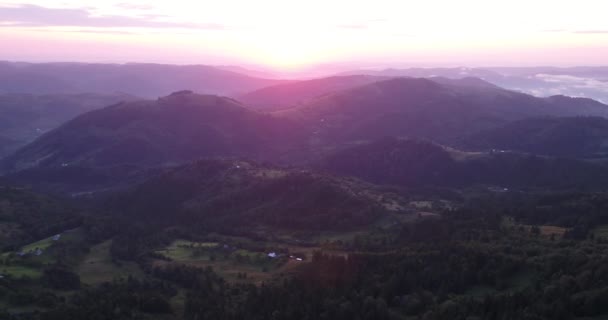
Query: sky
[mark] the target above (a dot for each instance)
(287, 34)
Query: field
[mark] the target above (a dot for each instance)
(98, 267)
(545, 230)
(552, 230)
(233, 263)
(42, 245)
(17, 271)
(32, 265)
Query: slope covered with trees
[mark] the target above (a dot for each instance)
(415, 163)
(577, 137)
(441, 110)
(174, 129)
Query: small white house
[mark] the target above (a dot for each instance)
(272, 255)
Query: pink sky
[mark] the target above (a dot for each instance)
(287, 34)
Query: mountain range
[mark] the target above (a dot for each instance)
(294, 93)
(438, 109)
(383, 197)
(144, 80)
(589, 82)
(185, 126)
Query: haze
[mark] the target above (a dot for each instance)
(290, 35)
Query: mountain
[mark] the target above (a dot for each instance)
(416, 163)
(452, 73)
(290, 94)
(418, 107)
(577, 137)
(24, 117)
(144, 80)
(540, 81)
(239, 194)
(180, 127)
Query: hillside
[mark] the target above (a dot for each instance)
(24, 117)
(140, 79)
(291, 94)
(577, 137)
(232, 195)
(437, 110)
(174, 129)
(26, 216)
(415, 163)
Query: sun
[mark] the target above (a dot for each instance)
(292, 47)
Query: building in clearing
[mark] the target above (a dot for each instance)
(272, 255)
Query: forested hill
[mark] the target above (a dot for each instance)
(576, 137)
(237, 195)
(415, 163)
(441, 110)
(178, 128)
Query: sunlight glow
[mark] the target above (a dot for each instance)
(292, 34)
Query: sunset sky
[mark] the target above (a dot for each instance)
(295, 34)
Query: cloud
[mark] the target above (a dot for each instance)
(362, 24)
(576, 31)
(571, 86)
(133, 6)
(28, 15)
(591, 31)
(353, 26)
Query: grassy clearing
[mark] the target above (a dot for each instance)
(97, 266)
(20, 271)
(546, 231)
(181, 250)
(230, 262)
(42, 245)
(552, 230)
(70, 235)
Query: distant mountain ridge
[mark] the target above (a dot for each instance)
(140, 79)
(294, 93)
(539, 81)
(25, 117)
(434, 109)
